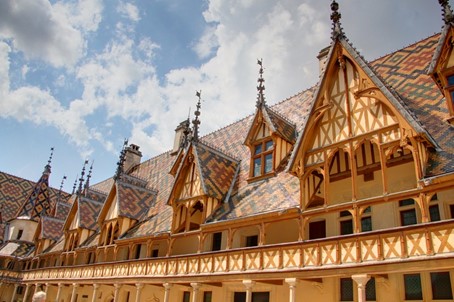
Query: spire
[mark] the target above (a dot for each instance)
(335, 17)
(121, 161)
(47, 167)
(186, 131)
(75, 184)
(61, 187)
(81, 179)
(446, 11)
(261, 86)
(87, 183)
(195, 121)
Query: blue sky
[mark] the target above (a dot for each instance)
(83, 75)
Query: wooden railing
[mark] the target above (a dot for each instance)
(410, 243)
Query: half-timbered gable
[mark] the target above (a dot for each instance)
(359, 136)
(203, 180)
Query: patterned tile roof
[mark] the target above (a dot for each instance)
(217, 170)
(19, 249)
(283, 127)
(88, 211)
(406, 71)
(134, 200)
(62, 210)
(52, 228)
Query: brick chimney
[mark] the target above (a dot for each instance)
(132, 157)
(179, 136)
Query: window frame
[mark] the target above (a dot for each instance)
(407, 296)
(449, 91)
(262, 157)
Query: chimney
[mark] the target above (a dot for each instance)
(322, 57)
(179, 136)
(132, 157)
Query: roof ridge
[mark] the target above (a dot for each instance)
(218, 150)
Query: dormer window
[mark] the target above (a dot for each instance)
(449, 89)
(263, 158)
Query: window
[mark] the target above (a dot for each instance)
(408, 212)
(370, 290)
(263, 158)
(186, 296)
(252, 240)
(207, 296)
(346, 223)
(412, 284)
(346, 289)
(138, 249)
(366, 220)
(19, 234)
(256, 297)
(434, 213)
(451, 209)
(216, 244)
(317, 229)
(441, 286)
(154, 253)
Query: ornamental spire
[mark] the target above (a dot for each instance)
(81, 179)
(61, 188)
(121, 160)
(47, 167)
(261, 86)
(196, 121)
(87, 183)
(335, 17)
(75, 184)
(446, 11)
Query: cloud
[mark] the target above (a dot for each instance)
(129, 11)
(37, 30)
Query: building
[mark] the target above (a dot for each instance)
(343, 192)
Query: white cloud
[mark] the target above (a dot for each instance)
(37, 30)
(129, 11)
(82, 14)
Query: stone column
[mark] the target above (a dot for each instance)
(95, 292)
(292, 287)
(167, 287)
(248, 284)
(13, 298)
(139, 287)
(361, 281)
(195, 291)
(73, 294)
(47, 288)
(60, 285)
(27, 289)
(117, 287)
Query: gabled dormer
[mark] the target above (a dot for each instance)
(360, 140)
(441, 68)
(204, 177)
(270, 138)
(127, 203)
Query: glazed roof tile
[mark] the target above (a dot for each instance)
(88, 212)
(52, 228)
(19, 249)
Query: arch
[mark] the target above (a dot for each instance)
(401, 168)
(368, 168)
(313, 190)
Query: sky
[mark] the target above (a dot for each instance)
(82, 76)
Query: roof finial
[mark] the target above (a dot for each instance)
(47, 167)
(196, 121)
(81, 179)
(61, 187)
(446, 11)
(335, 17)
(87, 183)
(260, 87)
(75, 184)
(121, 160)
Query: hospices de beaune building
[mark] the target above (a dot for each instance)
(342, 192)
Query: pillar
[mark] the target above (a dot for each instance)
(36, 288)
(167, 287)
(13, 298)
(195, 291)
(248, 284)
(292, 287)
(60, 285)
(117, 287)
(139, 287)
(47, 289)
(95, 292)
(361, 281)
(73, 294)
(27, 288)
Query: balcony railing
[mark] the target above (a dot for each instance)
(398, 244)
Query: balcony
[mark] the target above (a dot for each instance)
(403, 244)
